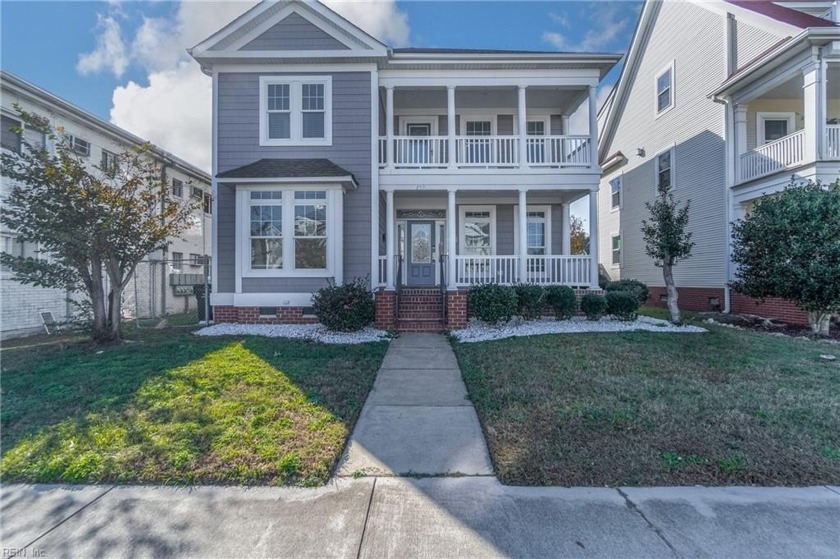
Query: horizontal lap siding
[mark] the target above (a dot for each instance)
(693, 37)
(294, 33)
(751, 41)
(238, 144)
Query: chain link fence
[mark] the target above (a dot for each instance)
(163, 292)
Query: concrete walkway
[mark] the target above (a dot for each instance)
(418, 418)
(431, 517)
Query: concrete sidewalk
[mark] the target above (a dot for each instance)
(418, 418)
(431, 517)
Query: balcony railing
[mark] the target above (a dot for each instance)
(493, 152)
(383, 270)
(544, 270)
(773, 156)
(832, 141)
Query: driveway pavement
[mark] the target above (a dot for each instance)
(430, 517)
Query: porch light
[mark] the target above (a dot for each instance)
(640, 152)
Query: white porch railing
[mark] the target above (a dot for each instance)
(383, 270)
(554, 270)
(832, 141)
(773, 156)
(543, 270)
(488, 151)
(431, 152)
(420, 151)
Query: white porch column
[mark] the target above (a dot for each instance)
(523, 128)
(450, 125)
(390, 269)
(740, 138)
(389, 127)
(523, 234)
(593, 128)
(814, 121)
(594, 248)
(566, 237)
(451, 233)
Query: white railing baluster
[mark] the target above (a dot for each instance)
(773, 156)
(541, 270)
(832, 141)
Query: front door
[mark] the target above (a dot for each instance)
(420, 253)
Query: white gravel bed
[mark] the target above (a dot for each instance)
(312, 332)
(477, 331)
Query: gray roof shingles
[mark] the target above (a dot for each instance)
(287, 168)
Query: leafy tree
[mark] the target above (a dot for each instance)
(789, 247)
(667, 241)
(579, 238)
(96, 224)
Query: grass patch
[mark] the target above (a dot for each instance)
(169, 407)
(645, 408)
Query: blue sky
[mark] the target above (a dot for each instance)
(72, 29)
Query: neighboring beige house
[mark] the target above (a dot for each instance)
(724, 101)
(153, 292)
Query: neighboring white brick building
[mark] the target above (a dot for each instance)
(154, 293)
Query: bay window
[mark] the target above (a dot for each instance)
(295, 110)
(290, 231)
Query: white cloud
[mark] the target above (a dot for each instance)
(579, 121)
(174, 109)
(608, 23)
(110, 52)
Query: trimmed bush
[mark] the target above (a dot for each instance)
(492, 303)
(639, 290)
(622, 305)
(345, 308)
(563, 300)
(530, 300)
(593, 306)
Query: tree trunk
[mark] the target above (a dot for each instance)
(820, 322)
(97, 302)
(115, 313)
(671, 290)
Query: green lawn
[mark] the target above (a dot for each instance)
(174, 408)
(643, 408)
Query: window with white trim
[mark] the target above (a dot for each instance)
(266, 226)
(195, 259)
(109, 162)
(291, 231)
(665, 171)
(177, 260)
(177, 188)
(78, 145)
(615, 193)
(616, 250)
(12, 141)
(476, 232)
(10, 245)
(773, 126)
(295, 110)
(535, 146)
(538, 234)
(664, 84)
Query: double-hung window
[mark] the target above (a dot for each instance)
(665, 89)
(537, 235)
(536, 146)
(177, 188)
(78, 145)
(616, 250)
(295, 110)
(615, 193)
(266, 226)
(476, 232)
(291, 231)
(109, 163)
(665, 171)
(12, 141)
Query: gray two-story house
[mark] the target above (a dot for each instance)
(425, 170)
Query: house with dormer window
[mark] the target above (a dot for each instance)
(425, 170)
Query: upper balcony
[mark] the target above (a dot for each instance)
(491, 135)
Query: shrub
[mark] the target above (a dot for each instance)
(593, 306)
(530, 301)
(622, 305)
(563, 300)
(637, 288)
(345, 308)
(492, 303)
(603, 278)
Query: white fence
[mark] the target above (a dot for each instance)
(542, 270)
(773, 156)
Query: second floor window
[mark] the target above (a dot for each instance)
(109, 162)
(296, 110)
(177, 188)
(665, 171)
(177, 259)
(12, 141)
(665, 89)
(79, 145)
(615, 193)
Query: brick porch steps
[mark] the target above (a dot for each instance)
(420, 310)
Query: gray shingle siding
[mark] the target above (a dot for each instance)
(238, 144)
(295, 33)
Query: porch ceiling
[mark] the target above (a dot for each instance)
(490, 196)
(560, 98)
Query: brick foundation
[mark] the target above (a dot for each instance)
(697, 299)
(251, 315)
(456, 309)
(778, 309)
(384, 301)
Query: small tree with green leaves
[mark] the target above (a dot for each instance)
(667, 242)
(789, 247)
(94, 223)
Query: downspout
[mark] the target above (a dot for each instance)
(731, 63)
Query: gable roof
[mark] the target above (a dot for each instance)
(760, 12)
(226, 42)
